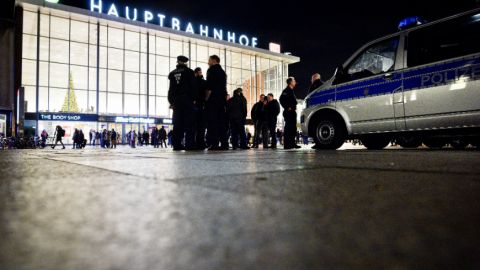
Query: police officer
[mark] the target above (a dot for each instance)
(182, 96)
(216, 99)
(289, 104)
(199, 110)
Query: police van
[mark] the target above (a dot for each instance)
(419, 85)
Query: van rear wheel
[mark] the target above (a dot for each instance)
(409, 141)
(329, 134)
(459, 143)
(376, 142)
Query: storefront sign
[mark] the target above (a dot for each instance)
(121, 119)
(174, 23)
(67, 117)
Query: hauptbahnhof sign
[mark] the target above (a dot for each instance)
(150, 17)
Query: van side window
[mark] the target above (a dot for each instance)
(445, 40)
(376, 59)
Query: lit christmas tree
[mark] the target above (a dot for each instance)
(70, 101)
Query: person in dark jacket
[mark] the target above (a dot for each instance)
(58, 135)
(289, 104)
(256, 114)
(182, 95)
(273, 110)
(316, 82)
(237, 114)
(162, 136)
(199, 110)
(216, 96)
(75, 139)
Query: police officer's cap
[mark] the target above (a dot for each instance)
(182, 59)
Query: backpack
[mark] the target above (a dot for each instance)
(61, 132)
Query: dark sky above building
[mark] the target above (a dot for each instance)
(323, 33)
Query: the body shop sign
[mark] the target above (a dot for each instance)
(150, 17)
(67, 117)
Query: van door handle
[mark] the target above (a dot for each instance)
(388, 76)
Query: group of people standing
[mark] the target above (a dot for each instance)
(157, 138)
(203, 106)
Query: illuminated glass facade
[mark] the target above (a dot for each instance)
(88, 64)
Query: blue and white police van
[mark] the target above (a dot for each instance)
(419, 85)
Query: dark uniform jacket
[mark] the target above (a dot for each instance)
(272, 110)
(237, 108)
(182, 90)
(202, 90)
(217, 83)
(288, 99)
(316, 84)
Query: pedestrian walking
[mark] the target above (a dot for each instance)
(58, 135)
(114, 138)
(162, 136)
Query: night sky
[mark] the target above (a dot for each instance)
(322, 33)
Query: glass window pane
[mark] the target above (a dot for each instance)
(162, 47)
(103, 57)
(29, 22)
(132, 103)
(132, 82)
(44, 25)
(30, 99)
(80, 31)
(60, 28)
(202, 54)
(236, 60)
(103, 102)
(79, 54)
(115, 81)
(143, 84)
(114, 103)
(44, 49)
(92, 56)
(43, 99)
(163, 107)
(43, 74)
(162, 86)
(143, 105)
(82, 100)
(29, 44)
(132, 61)
(143, 43)
(92, 102)
(115, 59)
(92, 79)
(115, 37)
(162, 66)
(58, 75)
(56, 99)
(103, 79)
(103, 35)
(143, 63)
(132, 41)
(176, 48)
(151, 106)
(93, 33)
(79, 77)
(60, 49)
(29, 72)
(246, 61)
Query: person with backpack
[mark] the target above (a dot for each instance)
(44, 137)
(59, 134)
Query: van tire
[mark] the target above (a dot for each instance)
(329, 133)
(376, 142)
(434, 143)
(407, 141)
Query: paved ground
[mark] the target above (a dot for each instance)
(155, 209)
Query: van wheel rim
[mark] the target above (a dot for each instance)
(325, 132)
